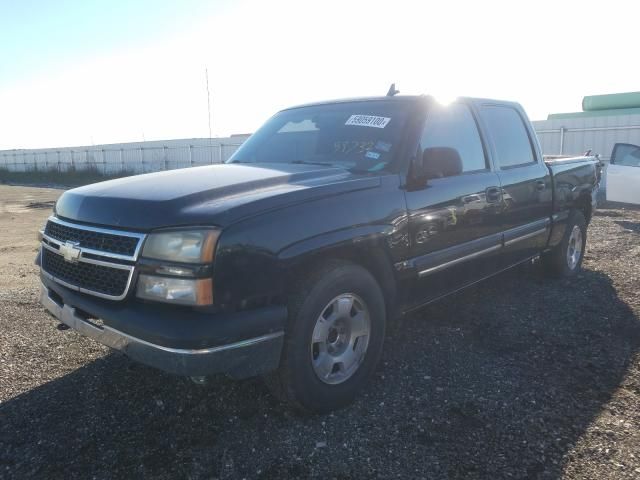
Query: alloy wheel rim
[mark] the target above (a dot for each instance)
(340, 338)
(574, 249)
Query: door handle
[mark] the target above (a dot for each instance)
(493, 194)
(540, 185)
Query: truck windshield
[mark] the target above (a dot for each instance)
(360, 136)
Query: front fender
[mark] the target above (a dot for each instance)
(255, 257)
(362, 236)
(373, 247)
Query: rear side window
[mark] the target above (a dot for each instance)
(509, 135)
(453, 128)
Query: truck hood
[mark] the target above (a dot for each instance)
(210, 195)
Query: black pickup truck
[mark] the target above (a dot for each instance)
(328, 222)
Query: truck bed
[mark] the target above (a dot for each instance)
(561, 159)
(573, 179)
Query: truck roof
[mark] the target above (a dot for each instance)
(395, 98)
(398, 98)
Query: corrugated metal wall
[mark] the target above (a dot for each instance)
(138, 157)
(574, 136)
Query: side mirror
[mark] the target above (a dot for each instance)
(436, 162)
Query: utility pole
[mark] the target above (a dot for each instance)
(206, 74)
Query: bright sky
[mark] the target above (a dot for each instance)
(91, 72)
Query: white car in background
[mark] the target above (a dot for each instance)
(623, 174)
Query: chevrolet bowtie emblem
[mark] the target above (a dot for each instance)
(70, 251)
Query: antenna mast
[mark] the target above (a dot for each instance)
(392, 90)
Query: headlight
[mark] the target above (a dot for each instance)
(175, 290)
(188, 246)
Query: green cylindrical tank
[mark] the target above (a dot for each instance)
(611, 101)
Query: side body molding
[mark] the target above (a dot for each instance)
(448, 257)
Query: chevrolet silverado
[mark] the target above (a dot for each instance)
(290, 259)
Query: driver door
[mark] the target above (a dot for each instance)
(455, 219)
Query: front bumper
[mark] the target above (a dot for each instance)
(242, 358)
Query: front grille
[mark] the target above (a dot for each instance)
(95, 278)
(93, 260)
(102, 241)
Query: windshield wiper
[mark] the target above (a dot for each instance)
(296, 162)
(300, 162)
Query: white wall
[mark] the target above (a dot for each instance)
(138, 157)
(574, 136)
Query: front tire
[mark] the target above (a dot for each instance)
(566, 259)
(333, 341)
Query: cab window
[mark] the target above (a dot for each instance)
(510, 137)
(450, 142)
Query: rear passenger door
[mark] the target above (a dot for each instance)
(454, 223)
(525, 179)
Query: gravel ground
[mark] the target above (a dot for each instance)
(519, 377)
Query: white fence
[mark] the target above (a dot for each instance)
(557, 136)
(109, 160)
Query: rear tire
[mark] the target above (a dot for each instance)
(565, 260)
(333, 340)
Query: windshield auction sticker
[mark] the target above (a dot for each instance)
(368, 121)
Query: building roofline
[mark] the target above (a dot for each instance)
(613, 112)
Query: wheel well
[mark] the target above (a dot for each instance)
(584, 205)
(374, 260)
